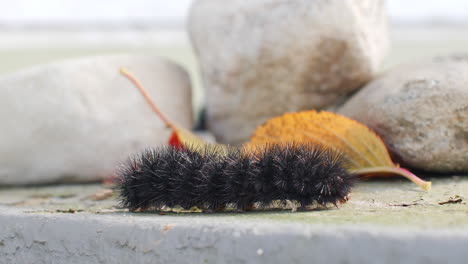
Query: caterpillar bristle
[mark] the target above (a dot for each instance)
(168, 177)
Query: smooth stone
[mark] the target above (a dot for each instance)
(421, 112)
(260, 59)
(75, 121)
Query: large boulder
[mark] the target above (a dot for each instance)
(77, 120)
(262, 58)
(421, 111)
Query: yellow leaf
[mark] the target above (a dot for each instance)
(365, 152)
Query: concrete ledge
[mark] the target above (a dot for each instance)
(124, 238)
(384, 222)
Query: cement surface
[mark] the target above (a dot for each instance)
(384, 222)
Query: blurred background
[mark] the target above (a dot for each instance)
(33, 32)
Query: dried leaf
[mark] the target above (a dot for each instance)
(453, 200)
(180, 137)
(366, 153)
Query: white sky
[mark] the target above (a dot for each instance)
(151, 11)
(414, 10)
(92, 10)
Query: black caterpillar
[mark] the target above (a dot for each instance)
(170, 176)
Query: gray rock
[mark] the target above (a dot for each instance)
(262, 58)
(77, 120)
(421, 111)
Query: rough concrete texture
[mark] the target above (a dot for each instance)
(421, 112)
(260, 59)
(77, 120)
(384, 222)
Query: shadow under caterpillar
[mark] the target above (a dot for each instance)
(205, 178)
